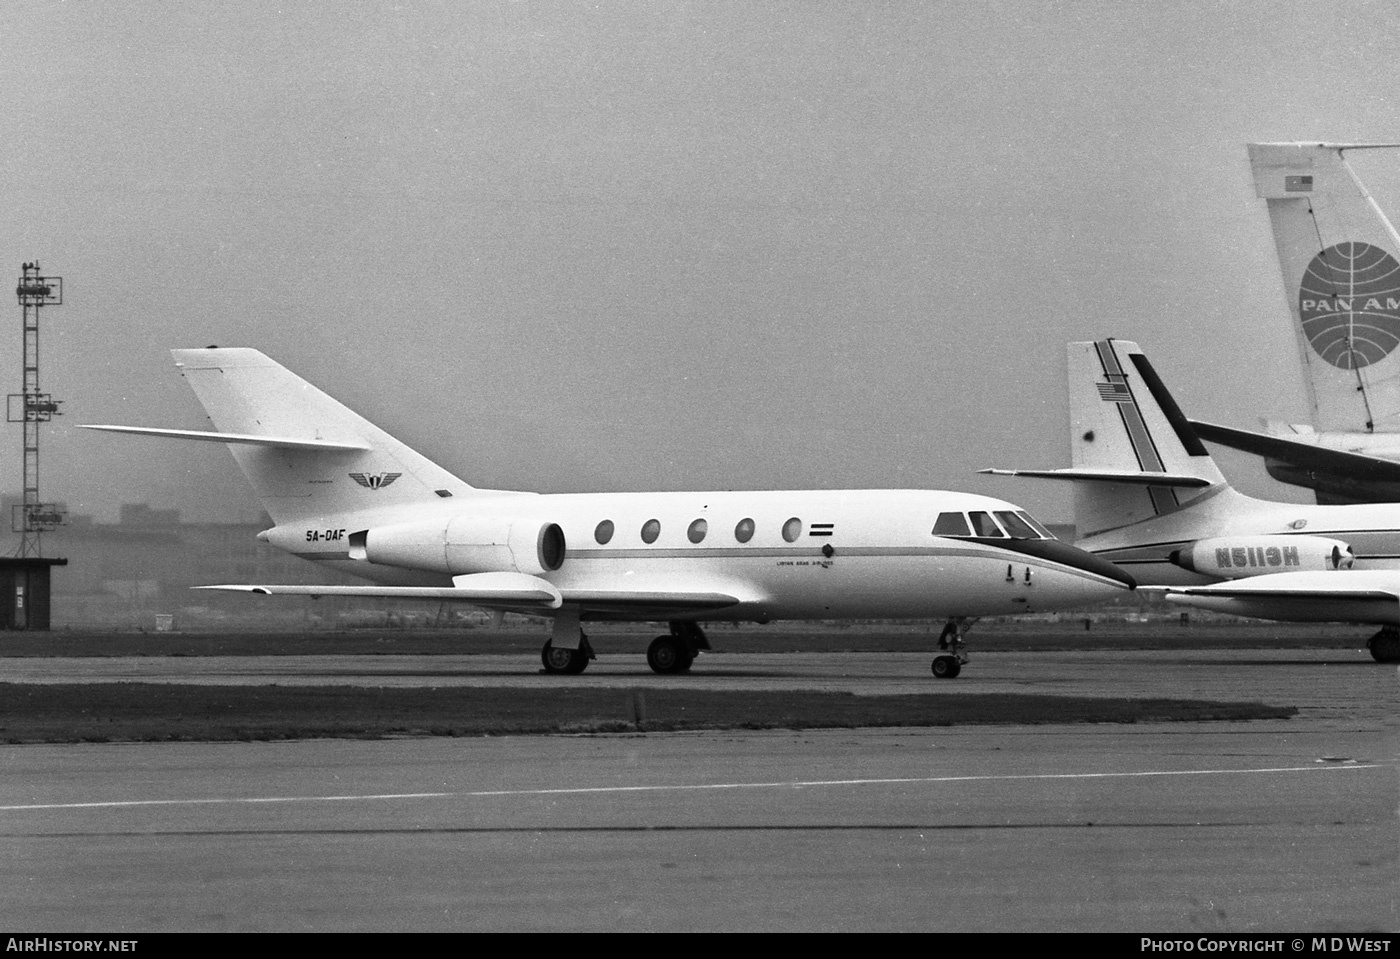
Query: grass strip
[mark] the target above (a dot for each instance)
(111, 712)
(1052, 637)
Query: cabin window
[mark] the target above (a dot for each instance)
(1016, 527)
(951, 524)
(744, 531)
(651, 529)
(1038, 527)
(792, 529)
(697, 530)
(604, 532)
(984, 525)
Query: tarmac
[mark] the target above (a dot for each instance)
(1268, 826)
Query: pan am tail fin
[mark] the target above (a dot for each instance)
(1340, 260)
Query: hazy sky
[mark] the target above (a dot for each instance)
(650, 245)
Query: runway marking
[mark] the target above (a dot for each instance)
(691, 787)
(1192, 825)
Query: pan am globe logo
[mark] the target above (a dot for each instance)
(1349, 303)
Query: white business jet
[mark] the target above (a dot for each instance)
(343, 492)
(1149, 497)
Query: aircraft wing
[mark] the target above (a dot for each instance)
(1335, 476)
(653, 602)
(484, 589)
(1135, 477)
(515, 590)
(1357, 596)
(1308, 456)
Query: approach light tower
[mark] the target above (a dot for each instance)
(31, 407)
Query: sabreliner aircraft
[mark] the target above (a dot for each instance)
(343, 492)
(1340, 260)
(1149, 497)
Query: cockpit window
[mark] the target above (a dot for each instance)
(1016, 527)
(1017, 524)
(951, 524)
(1039, 528)
(984, 525)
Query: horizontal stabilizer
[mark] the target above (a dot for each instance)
(1136, 477)
(1336, 146)
(280, 442)
(1302, 454)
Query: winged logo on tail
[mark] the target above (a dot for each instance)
(374, 480)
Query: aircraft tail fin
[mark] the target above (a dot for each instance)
(305, 454)
(1124, 421)
(1340, 260)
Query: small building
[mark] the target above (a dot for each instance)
(25, 591)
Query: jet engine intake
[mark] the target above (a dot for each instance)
(464, 544)
(1237, 557)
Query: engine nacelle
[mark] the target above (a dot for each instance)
(464, 544)
(1235, 557)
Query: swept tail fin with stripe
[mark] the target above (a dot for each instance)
(1135, 455)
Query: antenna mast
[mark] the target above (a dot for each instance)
(31, 407)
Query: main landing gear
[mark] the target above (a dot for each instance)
(674, 652)
(567, 662)
(669, 654)
(948, 662)
(1385, 645)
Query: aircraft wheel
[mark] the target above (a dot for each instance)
(563, 662)
(667, 655)
(946, 667)
(1385, 646)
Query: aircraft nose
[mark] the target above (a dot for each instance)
(1072, 556)
(1094, 564)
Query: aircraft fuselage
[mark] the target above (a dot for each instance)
(1143, 549)
(812, 554)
